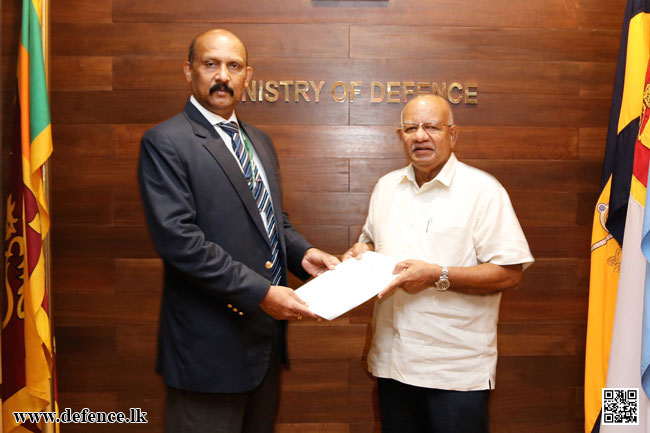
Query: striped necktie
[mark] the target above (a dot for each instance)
(260, 194)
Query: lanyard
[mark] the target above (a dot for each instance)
(247, 143)
(248, 146)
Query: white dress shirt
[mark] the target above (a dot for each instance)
(461, 218)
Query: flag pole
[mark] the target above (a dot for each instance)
(2, 241)
(45, 34)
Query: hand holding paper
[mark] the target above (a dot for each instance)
(349, 285)
(413, 277)
(282, 303)
(357, 250)
(316, 261)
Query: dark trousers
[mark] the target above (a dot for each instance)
(411, 409)
(249, 412)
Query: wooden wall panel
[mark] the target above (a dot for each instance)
(324, 407)
(10, 15)
(82, 73)
(83, 141)
(372, 142)
(523, 176)
(365, 427)
(138, 275)
(504, 110)
(79, 205)
(567, 241)
(506, 13)
(314, 428)
(83, 276)
(318, 375)
(595, 14)
(122, 39)
(327, 341)
(333, 238)
(137, 106)
(596, 78)
(321, 175)
(95, 171)
(74, 11)
(544, 72)
(590, 143)
(528, 176)
(495, 43)
(8, 70)
(100, 241)
(147, 72)
(537, 340)
(326, 208)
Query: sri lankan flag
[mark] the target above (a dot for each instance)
(615, 304)
(27, 344)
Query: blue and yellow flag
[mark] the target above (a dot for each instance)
(611, 210)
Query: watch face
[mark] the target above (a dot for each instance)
(442, 284)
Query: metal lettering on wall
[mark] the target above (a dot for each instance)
(376, 91)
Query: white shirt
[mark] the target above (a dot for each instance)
(461, 218)
(214, 120)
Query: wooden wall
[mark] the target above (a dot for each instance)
(544, 70)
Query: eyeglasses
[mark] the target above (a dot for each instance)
(429, 127)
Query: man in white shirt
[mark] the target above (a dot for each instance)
(433, 348)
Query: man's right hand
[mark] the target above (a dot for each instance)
(282, 303)
(357, 250)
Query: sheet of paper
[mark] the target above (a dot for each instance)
(348, 285)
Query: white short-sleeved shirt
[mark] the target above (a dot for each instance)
(461, 218)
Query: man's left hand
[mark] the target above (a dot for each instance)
(414, 276)
(317, 261)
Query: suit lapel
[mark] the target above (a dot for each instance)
(213, 143)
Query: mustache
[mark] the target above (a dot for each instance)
(415, 147)
(220, 87)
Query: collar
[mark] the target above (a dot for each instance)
(444, 177)
(213, 118)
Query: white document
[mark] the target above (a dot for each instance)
(348, 285)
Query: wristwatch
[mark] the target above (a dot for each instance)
(443, 282)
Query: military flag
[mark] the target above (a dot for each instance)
(615, 304)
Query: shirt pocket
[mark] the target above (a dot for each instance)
(447, 230)
(447, 245)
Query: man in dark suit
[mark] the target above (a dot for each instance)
(211, 192)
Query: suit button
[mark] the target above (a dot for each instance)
(268, 265)
(241, 314)
(229, 305)
(235, 310)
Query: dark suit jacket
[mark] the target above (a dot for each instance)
(213, 336)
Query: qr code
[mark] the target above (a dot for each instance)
(620, 406)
